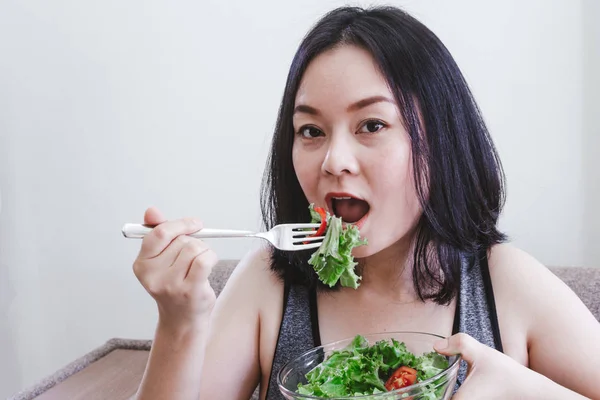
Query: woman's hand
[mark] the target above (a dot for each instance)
(493, 375)
(174, 269)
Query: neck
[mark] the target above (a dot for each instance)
(389, 273)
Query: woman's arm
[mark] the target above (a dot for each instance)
(232, 360)
(220, 359)
(174, 364)
(563, 337)
(202, 348)
(174, 270)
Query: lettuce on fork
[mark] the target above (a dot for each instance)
(333, 261)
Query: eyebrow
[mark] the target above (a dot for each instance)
(306, 109)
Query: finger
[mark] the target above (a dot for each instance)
(202, 266)
(165, 260)
(169, 255)
(188, 254)
(163, 234)
(460, 343)
(153, 216)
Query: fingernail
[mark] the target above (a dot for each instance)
(441, 344)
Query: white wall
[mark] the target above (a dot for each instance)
(591, 87)
(109, 107)
(524, 62)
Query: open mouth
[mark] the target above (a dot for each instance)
(350, 209)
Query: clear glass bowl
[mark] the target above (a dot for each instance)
(438, 387)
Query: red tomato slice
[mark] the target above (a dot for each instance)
(402, 377)
(323, 225)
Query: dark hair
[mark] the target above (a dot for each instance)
(458, 174)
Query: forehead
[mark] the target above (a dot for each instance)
(340, 76)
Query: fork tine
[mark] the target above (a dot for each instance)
(310, 239)
(302, 226)
(307, 246)
(303, 234)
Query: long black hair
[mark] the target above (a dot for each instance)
(457, 171)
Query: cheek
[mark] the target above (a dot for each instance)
(305, 167)
(395, 170)
(393, 166)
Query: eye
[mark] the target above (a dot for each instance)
(309, 132)
(371, 126)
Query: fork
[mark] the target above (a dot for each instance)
(289, 237)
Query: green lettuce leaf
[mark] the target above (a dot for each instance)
(429, 365)
(333, 260)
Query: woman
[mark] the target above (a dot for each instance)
(374, 109)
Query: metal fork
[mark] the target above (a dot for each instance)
(289, 237)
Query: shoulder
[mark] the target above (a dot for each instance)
(252, 288)
(513, 274)
(251, 292)
(557, 329)
(237, 327)
(254, 293)
(516, 271)
(520, 279)
(505, 255)
(253, 276)
(529, 296)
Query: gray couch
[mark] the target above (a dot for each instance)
(82, 379)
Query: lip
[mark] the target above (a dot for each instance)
(328, 201)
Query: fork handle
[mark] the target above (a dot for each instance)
(138, 231)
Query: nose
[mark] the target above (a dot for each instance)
(341, 157)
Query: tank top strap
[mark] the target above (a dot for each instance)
(296, 332)
(476, 305)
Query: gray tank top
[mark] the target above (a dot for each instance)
(475, 315)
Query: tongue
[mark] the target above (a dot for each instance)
(350, 210)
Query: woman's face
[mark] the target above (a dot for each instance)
(351, 152)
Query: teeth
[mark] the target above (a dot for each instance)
(342, 198)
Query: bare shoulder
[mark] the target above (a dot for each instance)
(525, 285)
(252, 283)
(253, 274)
(521, 276)
(542, 317)
(236, 328)
(503, 251)
(506, 258)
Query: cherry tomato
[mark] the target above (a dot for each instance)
(402, 377)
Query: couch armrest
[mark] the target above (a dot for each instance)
(113, 370)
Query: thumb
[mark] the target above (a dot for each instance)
(462, 344)
(153, 216)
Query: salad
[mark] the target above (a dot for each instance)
(333, 260)
(361, 369)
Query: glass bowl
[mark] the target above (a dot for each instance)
(438, 387)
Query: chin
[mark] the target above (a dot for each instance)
(362, 251)
(379, 243)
